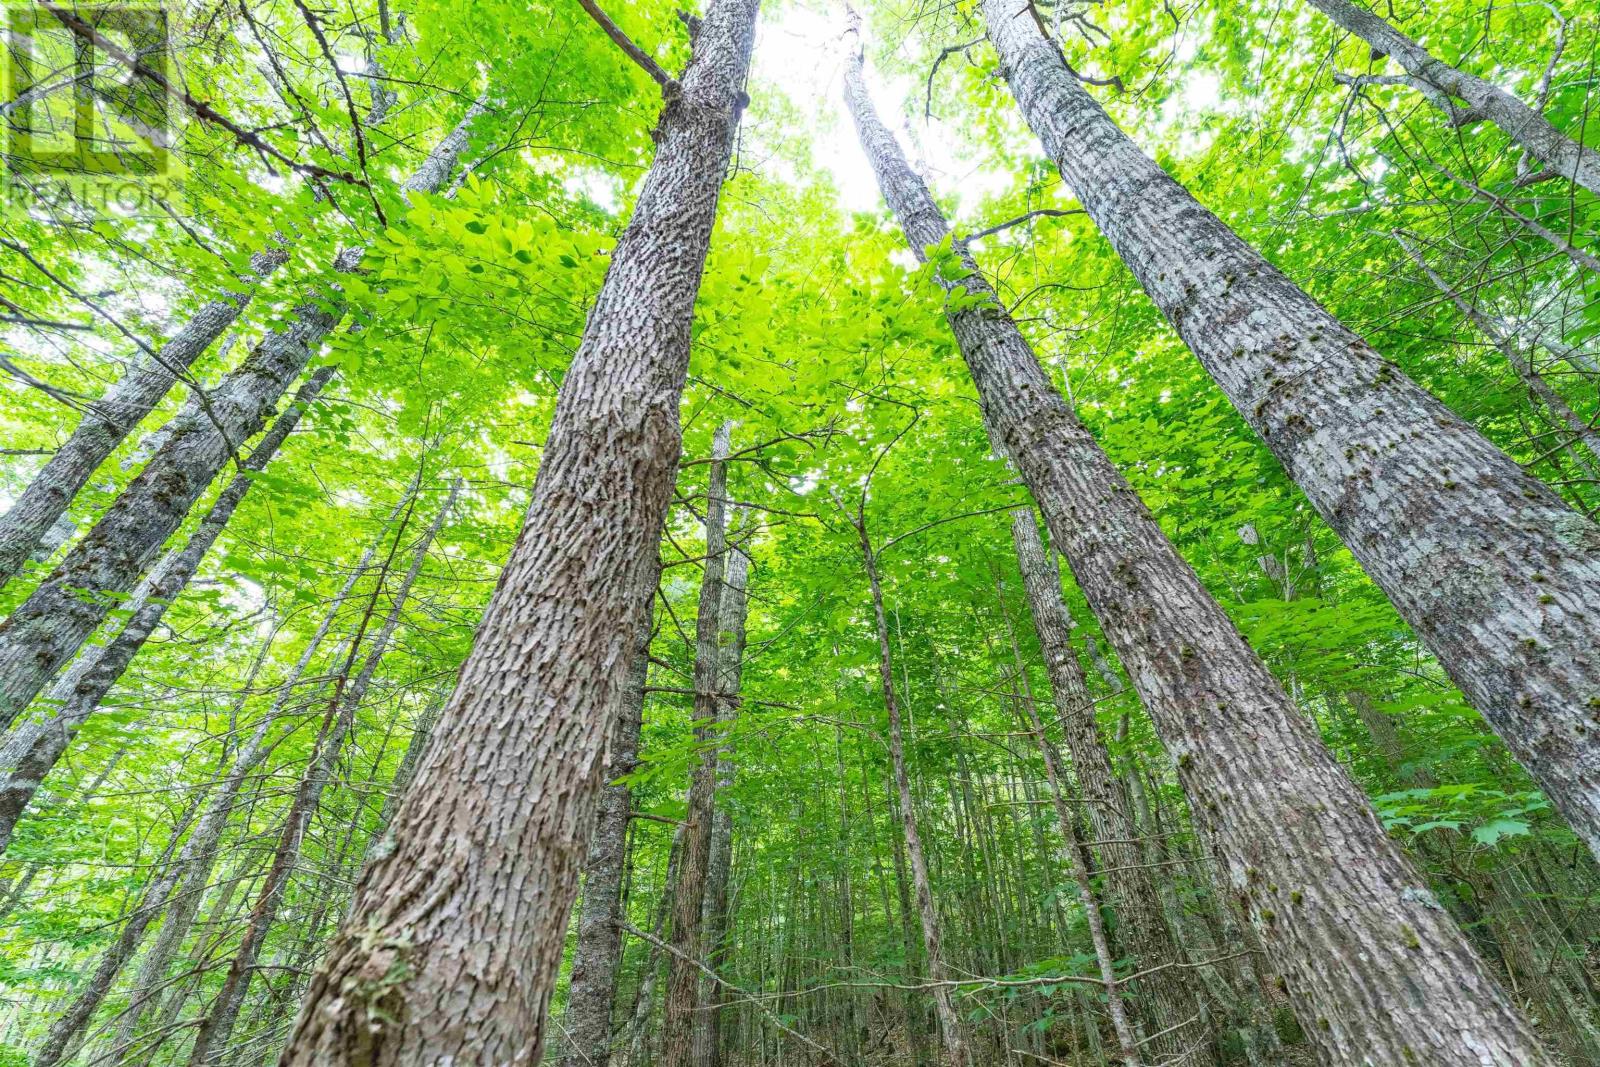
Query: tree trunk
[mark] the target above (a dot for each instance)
(33, 748)
(42, 634)
(719, 859)
(1377, 972)
(1496, 575)
(951, 1030)
(216, 1027)
(1117, 836)
(1441, 83)
(593, 987)
(679, 1018)
(109, 420)
(487, 845)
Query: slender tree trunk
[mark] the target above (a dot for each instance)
(199, 855)
(216, 1027)
(593, 986)
(688, 900)
(1055, 777)
(1497, 576)
(1377, 972)
(1117, 836)
(109, 420)
(1442, 84)
(951, 1030)
(66, 1032)
(33, 748)
(719, 858)
(489, 841)
(43, 633)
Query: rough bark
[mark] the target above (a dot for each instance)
(1376, 972)
(593, 986)
(109, 420)
(1442, 84)
(679, 1018)
(1117, 835)
(216, 1027)
(719, 858)
(33, 748)
(42, 634)
(458, 931)
(1497, 576)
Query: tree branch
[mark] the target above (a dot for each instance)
(667, 82)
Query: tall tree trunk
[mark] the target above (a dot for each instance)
(1497, 576)
(216, 1026)
(593, 986)
(488, 842)
(1442, 84)
(1377, 972)
(1077, 862)
(41, 635)
(1117, 836)
(109, 420)
(33, 748)
(688, 900)
(951, 1031)
(719, 858)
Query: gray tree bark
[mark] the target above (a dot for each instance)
(687, 947)
(593, 986)
(486, 848)
(41, 635)
(109, 420)
(216, 1027)
(1497, 576)
(1441, 84)
(33, 748)
(1376, 972)
(1117, 835)
(719, 859)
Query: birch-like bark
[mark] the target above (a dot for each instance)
(44, 632)
(1377, 973)
(457, 934)
(216, 1027)
(109, 420)
(1496, 574)
(679, 1019)
(593, 986)
(1442, 84)
(33, 748)
(719, 860)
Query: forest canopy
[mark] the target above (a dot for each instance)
(924, 534)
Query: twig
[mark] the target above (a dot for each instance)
(202, 110)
